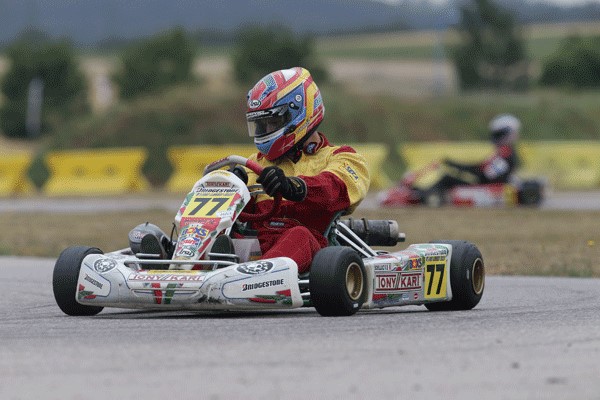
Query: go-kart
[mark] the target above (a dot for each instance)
(411, 190)
(344, 277)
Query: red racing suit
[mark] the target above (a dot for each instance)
(337, 179)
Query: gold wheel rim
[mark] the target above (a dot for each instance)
(354, 281)
(478, 274)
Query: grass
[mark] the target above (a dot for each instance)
(512, 241)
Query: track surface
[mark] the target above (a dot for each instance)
(529, 338)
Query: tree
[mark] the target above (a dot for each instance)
(53, 66)
(575, 64)
(261, 50)
(492, 52)
(155, 63)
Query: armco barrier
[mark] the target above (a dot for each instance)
(13, 174)
(94, 172)
(566, 164)
(189, 162)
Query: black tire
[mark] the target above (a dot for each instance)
(338, 281)
(64, 280)
(467, 277)
(531, 193)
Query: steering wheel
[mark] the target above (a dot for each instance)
(232, 161)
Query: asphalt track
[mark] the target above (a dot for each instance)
(529, 338)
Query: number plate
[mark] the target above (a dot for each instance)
(203, 206)
(435, 280)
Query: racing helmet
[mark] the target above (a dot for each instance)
(504, 129)
(284, 109)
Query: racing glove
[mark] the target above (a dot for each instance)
(274, 181)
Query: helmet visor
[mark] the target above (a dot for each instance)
(264, 122)
(499, 134)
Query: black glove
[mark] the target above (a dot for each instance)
(240, 173)
(273, 181)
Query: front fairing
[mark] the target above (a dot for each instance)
(113, 281)
(210, 208)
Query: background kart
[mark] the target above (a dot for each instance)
(411, 190)
(346, 276)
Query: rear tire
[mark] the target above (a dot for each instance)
(531, 193)
(64, 280)
(467, 277)
(337, 281)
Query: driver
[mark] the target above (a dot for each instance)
(498, 168)
(316, 179)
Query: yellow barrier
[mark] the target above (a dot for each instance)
(189, 162)
(376, 154)
(566, 164)
(13, 174)
(96, 172)
(418, 155)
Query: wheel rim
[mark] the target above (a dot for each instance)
(478, 274)
(354, 281)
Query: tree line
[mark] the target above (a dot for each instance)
(490, 55)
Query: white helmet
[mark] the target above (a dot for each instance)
(504, 129)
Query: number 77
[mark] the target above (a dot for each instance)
(204, 200)
(432, 269)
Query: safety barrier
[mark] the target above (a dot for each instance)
(13, 174)
(566, 164)
(421, 155)
(96, 172)
(376, 154)
(418, 155)
(189, 162)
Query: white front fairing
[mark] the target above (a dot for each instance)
(209, 208)
(109, 281)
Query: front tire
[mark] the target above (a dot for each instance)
(64, 280)
(467, 277)
(337, 281)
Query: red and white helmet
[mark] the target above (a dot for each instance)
(504, 129)
(284, 108)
